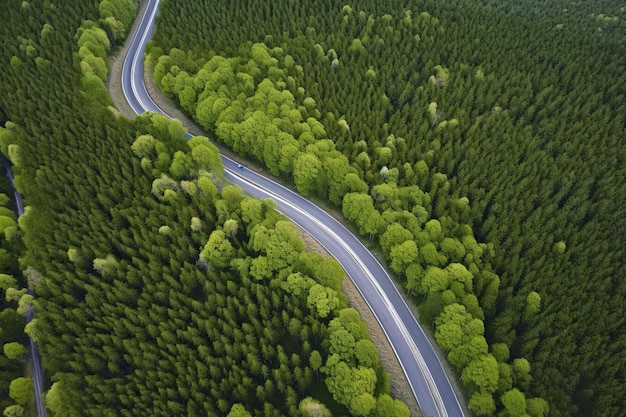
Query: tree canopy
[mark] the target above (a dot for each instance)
(496, 146)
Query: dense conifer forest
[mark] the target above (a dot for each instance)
(15, 388)
(480, 144)
(160, 289)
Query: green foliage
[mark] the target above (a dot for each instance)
(351, 385)
(306, 170)
(13, 294)
(483, 373)
(21, 390)
(482, 403)
(514, 403)
(310, 407)
(359, 208)
(13, 350)
(315, 360)
(534, 111)
(386, 406)
(537, 407)
(326, 271)
(213, 286)
(7, 281)
(366, 353)
(322, 300)
(238, 410)
(524, 101)
(15, 410)
(218, 251)
(57, 398)
(403, 255)
(559, 247)
(118, 15)
(11, 324)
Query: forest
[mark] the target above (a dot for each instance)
(14, 304)
(478, 144)
(161, 289)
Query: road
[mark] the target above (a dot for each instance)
(37, 373)
(425, 373)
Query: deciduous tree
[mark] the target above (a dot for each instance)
(21, 390)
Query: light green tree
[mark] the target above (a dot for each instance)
(205, 155)
(453, 249)
(414, 275)
(13, 350)
(57, 398)
(25, 305)
(464, 353)
(533, 306)
(514, 402)
(311, 407)
(163, 184)
(430, 256)
(455, 326)
(21, 390)
(435, 279)
(322, 300)
(15, 410)
(231, 227)
(196, 224)
(105, 266)
(403, 255)
(182, 166)
(482, 403)
(349, 319)
(31, 330)
(482, 373)
(434, 230)
(13, 294)
(289, 153)
(346, 383)
(306, 170)
(238, 410)
(297, 284)
(7, 281)
(366, 353)
(218, 250)
(395, 234)
(500, 351)
(281, 245)
(336, 170)
(559, 247)
(359, 208)
(537, 407)
(459, 273)
(74, 255)
(362, 404)
(342, 343)
(521, 373)
(389, 407)
(316, 361)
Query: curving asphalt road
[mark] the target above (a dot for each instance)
(37, 373)
(421, 365)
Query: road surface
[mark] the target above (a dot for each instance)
(37, 373)
(425, 373)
